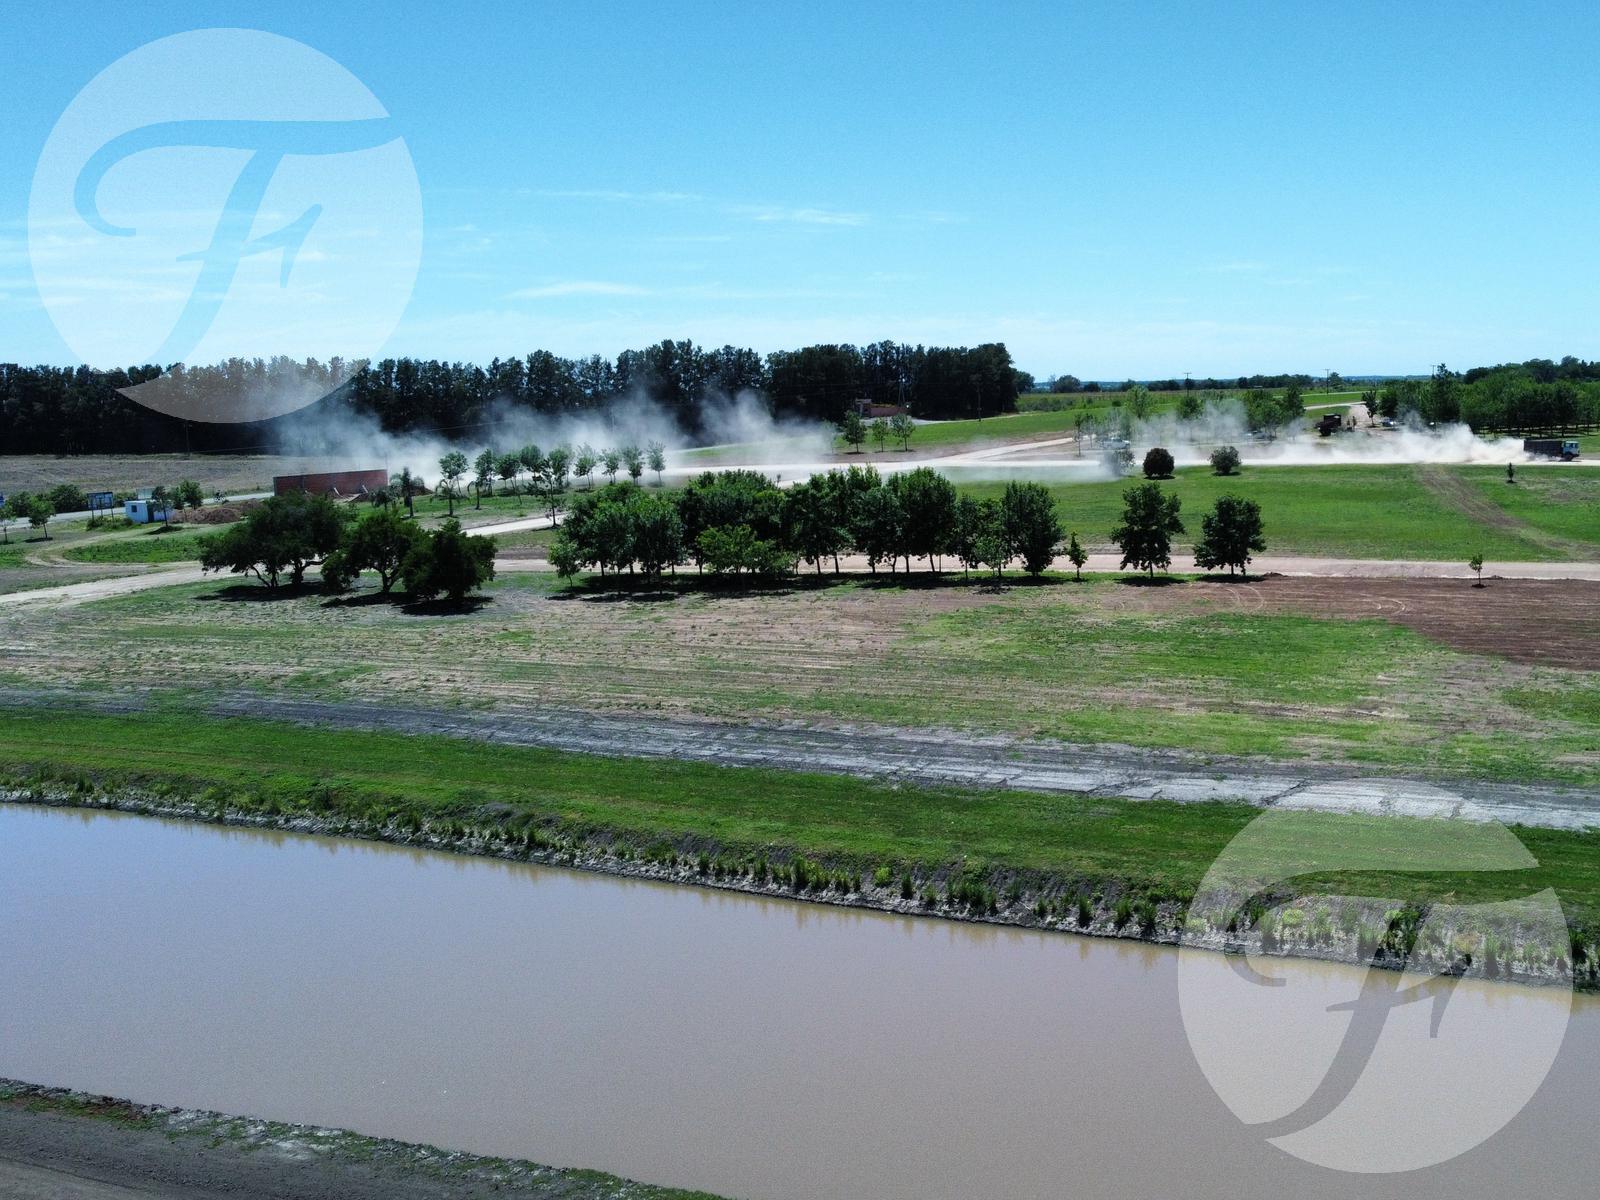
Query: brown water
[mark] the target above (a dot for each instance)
(750, 1047)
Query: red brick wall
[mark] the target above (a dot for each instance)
(346, 483)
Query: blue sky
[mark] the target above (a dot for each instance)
(1110, 189)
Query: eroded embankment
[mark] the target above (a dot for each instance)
(1517, 948)
(55, 1142)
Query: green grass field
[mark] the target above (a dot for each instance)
(1096, 662)
(1157, 847)
(1353, 511)
(1561, 501)
(146, 545)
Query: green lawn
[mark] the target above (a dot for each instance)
(147, 545)
(1154, 846)
(1561, 501)
(1336, 511)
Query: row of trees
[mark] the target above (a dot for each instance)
(68, 410)
(283, 537)
(537, 473)
(1067, 384)
(1533, 397)
(739, 522)
(1230, 534)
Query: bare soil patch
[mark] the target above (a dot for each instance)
(1555, 622)
(227, 473)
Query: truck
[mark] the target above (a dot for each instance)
(1566, 449)
(1330, 424)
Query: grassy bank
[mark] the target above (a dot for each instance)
(1027, 857)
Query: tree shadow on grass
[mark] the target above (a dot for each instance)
(365, 599)
(1151, 581)
(445, 607)
(259, 593)
(623, 590)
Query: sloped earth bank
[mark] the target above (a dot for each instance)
(930, 757)
(60, 1145)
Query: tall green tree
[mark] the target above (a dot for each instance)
(287, 533)
(1076, 555)
(854, 430)
(902, 427)
(880, 432)
(1140, 402)
(509, 467)
(877, 526)
(811, 520)
(1030, 525)
(381, 541)
(1229, 534)
(483, 475)
(406, 485)
(929, 502)
(583, 464)
(1149, 521)
(452, 467)
(39, 512)
(448, 562)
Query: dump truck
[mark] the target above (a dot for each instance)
(1566, 449)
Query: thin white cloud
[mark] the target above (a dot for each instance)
(578, 287)
(778, 214)
(658, 197)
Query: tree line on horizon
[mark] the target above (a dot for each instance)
(75, 410)
(67, 410)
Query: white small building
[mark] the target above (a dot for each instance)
(143, 512)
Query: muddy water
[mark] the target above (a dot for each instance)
(754, 1048)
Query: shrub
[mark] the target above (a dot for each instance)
(882, 877)
(1225, 460)
(1147, 914)
(450, 562)
(1123, 913)
(1158, 463)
